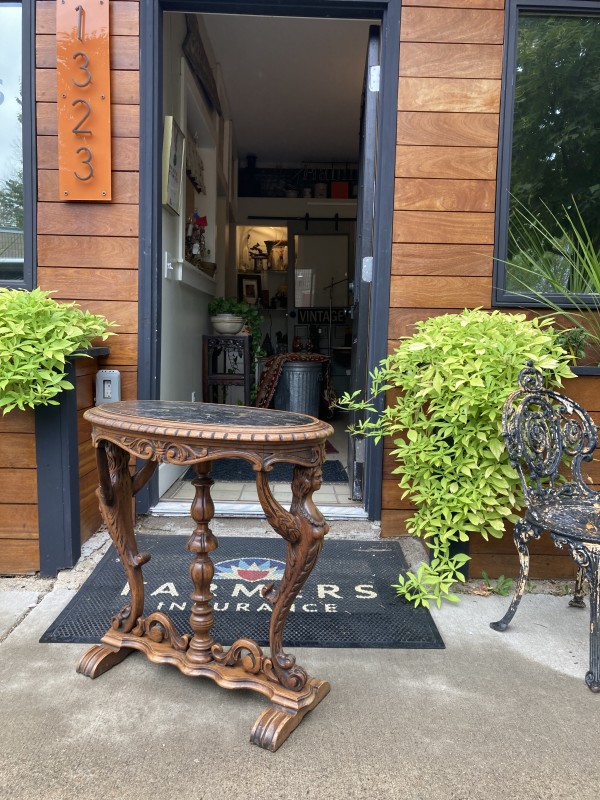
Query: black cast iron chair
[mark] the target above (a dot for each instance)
(544, 431)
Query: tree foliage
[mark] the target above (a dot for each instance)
(556, 126)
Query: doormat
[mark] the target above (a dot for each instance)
(234, 469)
(347, 601)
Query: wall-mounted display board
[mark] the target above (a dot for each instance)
(83, 84)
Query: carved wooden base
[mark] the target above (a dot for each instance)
(275, 724)
(99, 659)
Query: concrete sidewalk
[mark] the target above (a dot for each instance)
(492, 716)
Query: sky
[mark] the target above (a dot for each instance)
(10, 75)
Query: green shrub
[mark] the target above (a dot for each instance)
(37, 335)
(454, 374)
(253, 320)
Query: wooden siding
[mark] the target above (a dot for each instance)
(19, 551)
(446, 160)
(443, 229)
(93, 259)
(87, 253)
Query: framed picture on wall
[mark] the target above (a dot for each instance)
(249, 289)
(173, 165)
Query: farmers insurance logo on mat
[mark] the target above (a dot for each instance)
(238, 585)
(250, 569)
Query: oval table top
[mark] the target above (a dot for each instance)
(214, 422)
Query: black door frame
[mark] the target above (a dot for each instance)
(150, 244)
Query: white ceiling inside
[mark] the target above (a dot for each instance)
(293, 85)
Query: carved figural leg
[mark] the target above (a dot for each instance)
(115, 494)
(524, 531)
(577, 600)
(303, 527)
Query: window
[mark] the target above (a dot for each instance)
(549, 157)
(15, 215)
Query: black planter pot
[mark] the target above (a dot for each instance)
(57, 456)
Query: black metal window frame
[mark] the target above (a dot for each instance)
(29, 147)
(514, 8)
(151, 11)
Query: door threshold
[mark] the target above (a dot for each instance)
(181, 508)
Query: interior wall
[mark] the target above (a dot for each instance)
(184, 302)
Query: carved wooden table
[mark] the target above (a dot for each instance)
(197, 433)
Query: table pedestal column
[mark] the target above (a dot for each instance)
(202, 542)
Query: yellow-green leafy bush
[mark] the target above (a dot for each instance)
(454, 375)
(37, 335)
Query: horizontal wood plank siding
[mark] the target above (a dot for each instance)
(455, 61)
(443, 232)
(100, 252)
(19, 552)
(124, 52)
(447, 129)
(125, 153)
(19, 556)
(87, 253)
(124, 86)
(457, 25)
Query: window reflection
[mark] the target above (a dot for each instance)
(556, 135)
(11, 143)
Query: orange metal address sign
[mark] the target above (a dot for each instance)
(83, 83)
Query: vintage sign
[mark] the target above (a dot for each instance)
(83, 85)
(322, 316)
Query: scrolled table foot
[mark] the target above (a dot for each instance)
(276, 723)
(100, 658)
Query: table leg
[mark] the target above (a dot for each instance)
(202, 542)
(303, 527)
(115, 494)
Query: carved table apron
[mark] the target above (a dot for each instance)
(198, 433)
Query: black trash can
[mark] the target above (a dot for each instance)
(299, 387)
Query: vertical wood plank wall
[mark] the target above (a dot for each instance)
(88, 252)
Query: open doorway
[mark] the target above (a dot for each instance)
(269, 110)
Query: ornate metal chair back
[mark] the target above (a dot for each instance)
(547, 436)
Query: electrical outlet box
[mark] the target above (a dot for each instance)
(108, 386)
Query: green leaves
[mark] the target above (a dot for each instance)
(452, 378)
(37, 335)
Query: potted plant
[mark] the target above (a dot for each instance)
(452, 378)
(226, 315)
(229, 311)
(37, 336)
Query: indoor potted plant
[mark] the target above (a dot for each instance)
(37, 336)
(453, 376)
(224, 311)
(226, 315)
